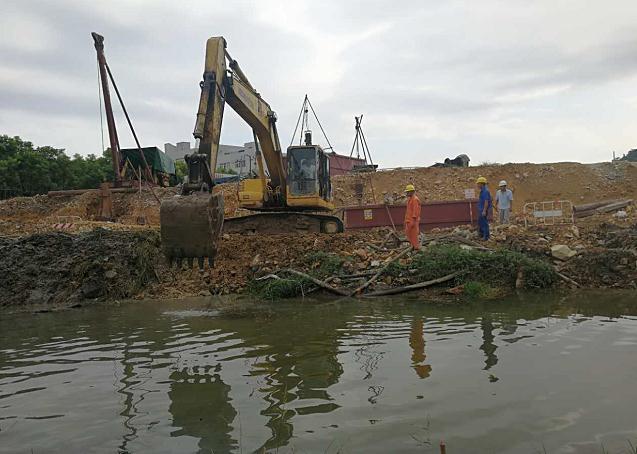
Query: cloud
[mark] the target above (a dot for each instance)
(509, 81)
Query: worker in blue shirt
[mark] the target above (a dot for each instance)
(484, 207)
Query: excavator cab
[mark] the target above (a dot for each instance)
(308, 182)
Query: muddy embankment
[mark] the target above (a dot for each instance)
(62, 269)
(43, 266)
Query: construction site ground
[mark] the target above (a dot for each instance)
(86, 259)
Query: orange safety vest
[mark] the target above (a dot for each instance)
(412, 221)
(412, 214)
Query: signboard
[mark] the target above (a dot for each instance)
(469, 193)
(548, 213)
(367, 215)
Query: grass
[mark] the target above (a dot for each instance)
(273, 289)
(485, 274)
(477, 290)
(499, 268)
(324, 264)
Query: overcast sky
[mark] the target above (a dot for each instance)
(502, 81)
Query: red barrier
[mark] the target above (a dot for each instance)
(433, 214)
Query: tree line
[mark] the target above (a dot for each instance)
(26, 170)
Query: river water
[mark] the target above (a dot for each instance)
(530, 374)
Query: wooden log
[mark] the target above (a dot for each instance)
(381, 271)
(318, 282)
(70, 192)
(567, 279)
(412, 287)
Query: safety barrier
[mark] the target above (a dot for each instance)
(433, 215)
(554, 212)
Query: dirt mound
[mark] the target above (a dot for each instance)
(579, 183)
(54, 268)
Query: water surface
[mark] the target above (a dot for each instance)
(530, 374)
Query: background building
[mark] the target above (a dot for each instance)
(232, 158)
(240, 159)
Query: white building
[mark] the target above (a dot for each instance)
(231, 158)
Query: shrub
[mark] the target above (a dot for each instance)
(473, 289)
(496, 268)
(272, 289)
(325, 264)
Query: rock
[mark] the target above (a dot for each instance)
(226, 236)
(575, 230)
(562, 252)
(256, 260)
(375, 263)
(110, 274)
(362, 253)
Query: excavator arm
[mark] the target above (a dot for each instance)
(191, 223)
(221, 85)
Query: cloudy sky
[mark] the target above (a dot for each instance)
(499, 80)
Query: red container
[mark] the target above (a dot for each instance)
(432, 215)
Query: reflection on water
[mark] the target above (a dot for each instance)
(521, 375)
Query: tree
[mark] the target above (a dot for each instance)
(25, 170)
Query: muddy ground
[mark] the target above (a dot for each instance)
(59, 268)
(578, 183)
(43, 263)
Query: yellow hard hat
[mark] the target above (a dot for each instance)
(409, 188)
(481, 180)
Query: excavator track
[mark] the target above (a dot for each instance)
(191, 228)
(283, 222)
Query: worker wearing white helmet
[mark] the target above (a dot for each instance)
(504, 202)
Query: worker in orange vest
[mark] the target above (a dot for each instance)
(412, 217)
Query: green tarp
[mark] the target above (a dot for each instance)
(156, 159)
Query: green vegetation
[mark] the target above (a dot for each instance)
(181, 169)
(477, 290)
(226, 171)
(499, 268)
(26, 170)
(273, 289)
(324, 264)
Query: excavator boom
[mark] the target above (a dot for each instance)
(191, 223)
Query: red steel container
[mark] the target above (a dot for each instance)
(432, 215)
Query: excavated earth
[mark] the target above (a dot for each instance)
(44, 264)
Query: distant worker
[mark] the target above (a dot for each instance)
(484, 207)
(504, 202)
(412, 217)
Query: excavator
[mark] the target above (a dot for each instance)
(294, 197)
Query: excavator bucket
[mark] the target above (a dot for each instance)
(191, 228)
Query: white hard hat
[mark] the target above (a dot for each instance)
(503, 183)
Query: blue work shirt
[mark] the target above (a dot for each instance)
(485, 198)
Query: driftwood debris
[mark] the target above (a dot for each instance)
(381, 271)
(318, 282)
(420, 285)
(568, 279)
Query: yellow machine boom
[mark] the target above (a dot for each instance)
(287, 195)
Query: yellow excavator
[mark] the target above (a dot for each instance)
(287, 198)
